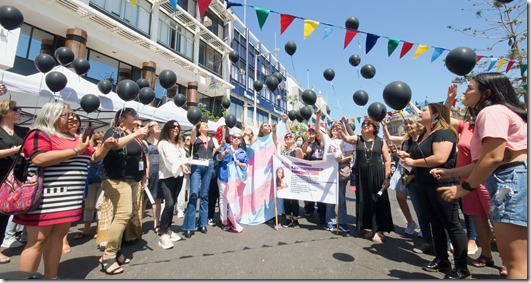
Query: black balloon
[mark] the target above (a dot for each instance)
(368, 71)
(225, 103)
(360, 97)
(290, 47)
(146, 95)
(279, 76)
(81, 66)
(64, 55)
(10, 17)
(194, 115)
(329, 74)
(179, 99)
(89, 102)
(167, 78)
(44, 63)
(306, 112)
(461, 61)
(127, 90)
(309, 97)
(230, 120)
(397, 95)
(354, 60)
(272, 83)
(56, 81)
(377, 111)
(234, 56)
(298, 116)
(353, 126)
(105, 86)
(258, 85)
(352, 23)
(292, 115)
(142, 83)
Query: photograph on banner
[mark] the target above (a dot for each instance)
(315, 180)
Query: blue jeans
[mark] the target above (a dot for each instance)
(342, 207)
(199, 184)
(421, 212)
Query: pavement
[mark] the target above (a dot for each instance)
(261, 252)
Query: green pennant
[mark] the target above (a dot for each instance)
(525, 87)
(391, 45)
(262, 14)
(523, 68)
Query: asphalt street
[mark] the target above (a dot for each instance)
(260, 252)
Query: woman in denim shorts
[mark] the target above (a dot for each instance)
(499, 155)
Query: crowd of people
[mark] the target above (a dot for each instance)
(477, 164)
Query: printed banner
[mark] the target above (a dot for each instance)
(305, 180)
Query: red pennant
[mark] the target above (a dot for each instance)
(390, 113)
(405, 48)
(509, 65)
(285, 21)
(479, 58)
(453, 102)
(203, 6)
(349, 35)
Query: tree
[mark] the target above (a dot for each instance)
(506, 23)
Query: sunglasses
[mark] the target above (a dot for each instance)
(365, 124)
(15, 108)
(236, 137)
(289, 136)
(176, 126)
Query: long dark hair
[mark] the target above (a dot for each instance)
(121, 113)
(501, 92)
(165, 132)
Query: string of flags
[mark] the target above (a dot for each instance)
(371, 39)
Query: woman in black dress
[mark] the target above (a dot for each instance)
(373, 165)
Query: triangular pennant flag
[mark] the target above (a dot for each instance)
(420, 50)
(370, 42)
(261, 14)
(203, 6)
(390, 113)
(173, 4)
(479, 58)
(133, 2)
(509, 65)
(525, 87)
(327, 31)
(453, 102)
(349, 35)
(309, 27)
(523, 68)
(231, 4)
(392, 44)
(500, 64)
(492, 62)
(405, 48)
(353, 120)
(285, 21)
(359, 120)
(436, 53)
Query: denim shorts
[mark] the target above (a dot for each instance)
(508, 195)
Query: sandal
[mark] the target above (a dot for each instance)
(80, 236)
(120, 255)
(503, 271)
(483, 261)
(107, 263)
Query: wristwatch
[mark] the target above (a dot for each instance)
(466, 186)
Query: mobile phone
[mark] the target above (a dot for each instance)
(87, 133)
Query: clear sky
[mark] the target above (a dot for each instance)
(419, 22)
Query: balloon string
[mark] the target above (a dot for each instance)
(378, 82)
(38, 96)
(338, 104)
(293, 67)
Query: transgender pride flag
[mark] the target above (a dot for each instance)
(256, 202)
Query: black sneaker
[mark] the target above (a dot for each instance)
(288, 223)
(458, 273)
(296, 224)
(438, 265)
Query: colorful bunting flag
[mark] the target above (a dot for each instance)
(233, 4)
(203, 6)
(370, 42)
(285, 21)
(405, 48)
(349, 35)
(309, 27)
(392, 44)
(420, 50)
(523, 68)
(511, 63)
(436, 53)
(133, 2)
(479, 58)
(492, 62)
(500, 64)
(173, 4)
(327, 31)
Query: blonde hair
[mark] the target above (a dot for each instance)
(150, 125)
(4, 107)
(97, 136)
(50, 113)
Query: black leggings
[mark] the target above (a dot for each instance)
(291, 206)
(170, 188)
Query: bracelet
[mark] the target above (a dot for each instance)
(77, 151)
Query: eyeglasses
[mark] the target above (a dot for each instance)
(288, 136)
(133, 113)
(15, 108)
(68, 115)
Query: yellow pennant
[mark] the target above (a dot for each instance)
(134, 2)
(420, 50)
(500, 64)
(309, 27)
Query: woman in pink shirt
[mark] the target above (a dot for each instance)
(499, 160)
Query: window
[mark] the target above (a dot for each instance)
(103, 67)
(137, 17)
(210, 58)
(32, 41)
(175, 37)
(217, 26)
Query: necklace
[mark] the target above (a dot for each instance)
(8, 130)
(367, 151)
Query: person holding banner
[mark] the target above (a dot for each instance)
(229, 186)
(313, 149)
(291, 206)
(373, 162)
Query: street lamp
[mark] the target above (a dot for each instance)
(255, 78)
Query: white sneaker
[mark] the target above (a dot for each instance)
(410, 230)
(211, 222)
(180, 214)
(173, 236)
(11, 243)
(165, 242)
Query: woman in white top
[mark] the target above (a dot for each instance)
(172, 165)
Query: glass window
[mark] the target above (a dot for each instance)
(164, 33)
(37, 39)
(137, 16)
(102, 67)
(210, 58)
(23, 41)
